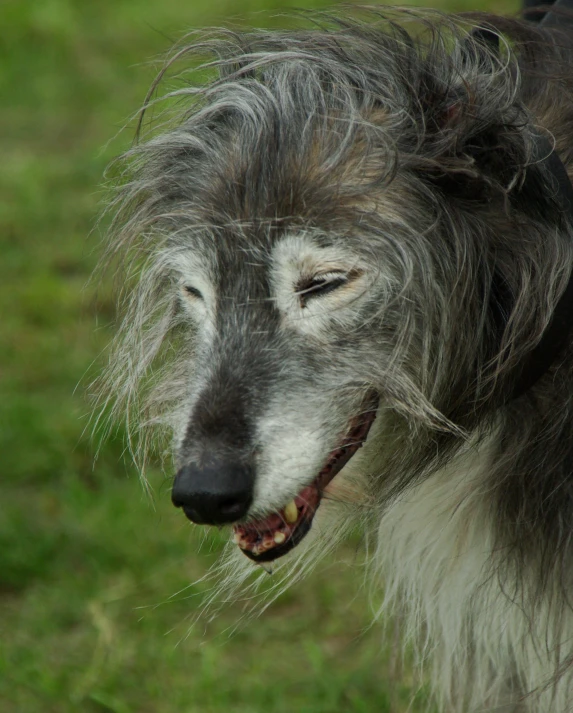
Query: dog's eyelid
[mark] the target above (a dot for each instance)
(192, 292)
(322, 283)
(330, 275)
(319, 279)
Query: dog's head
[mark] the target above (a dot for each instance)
(336, 276)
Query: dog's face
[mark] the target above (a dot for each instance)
(282, 397)
(331, 269)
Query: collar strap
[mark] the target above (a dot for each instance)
(557, 19)
(558, 330)
(548, 175)
(556, 334)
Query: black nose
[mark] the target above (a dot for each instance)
(217, 492)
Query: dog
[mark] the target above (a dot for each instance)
(348, 298)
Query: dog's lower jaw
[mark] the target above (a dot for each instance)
(267, 539)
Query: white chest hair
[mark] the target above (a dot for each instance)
(442, 576)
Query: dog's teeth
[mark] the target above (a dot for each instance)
(291, 512)
(236, 538)
(279, 537)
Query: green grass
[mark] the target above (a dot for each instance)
(85, 557)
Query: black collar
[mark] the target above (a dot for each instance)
(557, 332)
(555, 336)
(556, 19)
(545, 164)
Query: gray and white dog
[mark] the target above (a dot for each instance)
(352, 250)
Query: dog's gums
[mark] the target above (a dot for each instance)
(267, 539)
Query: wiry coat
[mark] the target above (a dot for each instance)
(402, 148)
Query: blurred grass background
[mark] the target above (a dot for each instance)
(85, 556)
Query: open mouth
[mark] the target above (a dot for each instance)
(273, 536)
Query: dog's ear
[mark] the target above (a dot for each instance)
(476, 138)
(476, 54)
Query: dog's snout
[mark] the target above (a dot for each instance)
(215, 493)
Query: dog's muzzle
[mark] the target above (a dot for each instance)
(214, 493)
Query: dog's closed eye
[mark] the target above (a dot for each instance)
(322, 284)
(192, 292)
